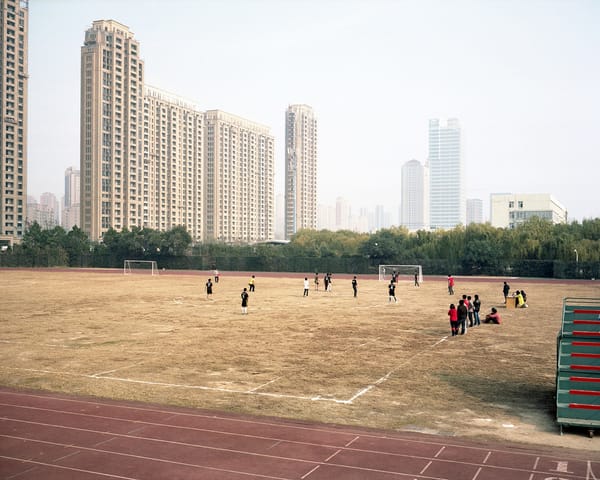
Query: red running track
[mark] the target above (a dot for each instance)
(52, 436)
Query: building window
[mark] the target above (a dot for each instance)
(520, 204)
(511, 204)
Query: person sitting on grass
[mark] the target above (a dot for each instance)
(492, 317)
(519, 300)
(524, 295)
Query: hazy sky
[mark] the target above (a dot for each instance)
(522, 76)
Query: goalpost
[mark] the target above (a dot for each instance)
(386, 272)
(140, 266)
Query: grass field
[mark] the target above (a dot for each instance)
(327, 357)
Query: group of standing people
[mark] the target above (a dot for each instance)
(464, 316)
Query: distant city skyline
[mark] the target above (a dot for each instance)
(525, 91)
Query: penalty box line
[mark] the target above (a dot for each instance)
(253, 391)
(383, 379)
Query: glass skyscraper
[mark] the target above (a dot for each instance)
(447, 199)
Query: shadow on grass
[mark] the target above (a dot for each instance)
(522, 399)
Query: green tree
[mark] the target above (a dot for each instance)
(177, 240)
(34, 238)
(76, 244)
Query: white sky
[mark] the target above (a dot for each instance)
(523, 78)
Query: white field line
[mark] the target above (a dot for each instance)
(179, 385)
(100, 374)
(360, 393)
(381, 380)
(263, 385)
(589, 474)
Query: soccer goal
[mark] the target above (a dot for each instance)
(140, 266)
(403, 271)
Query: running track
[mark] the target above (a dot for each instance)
(46, 436)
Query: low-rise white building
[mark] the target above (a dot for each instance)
(507, 210)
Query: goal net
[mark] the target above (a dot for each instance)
(140, 266)
(405, 272)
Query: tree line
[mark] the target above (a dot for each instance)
(535, 248)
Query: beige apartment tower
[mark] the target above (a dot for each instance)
(111, 108)
(240, 172)
(300, 169)
(13, 119)
(151, 159)
(173, 159)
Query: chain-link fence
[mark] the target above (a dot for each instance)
(345, 264)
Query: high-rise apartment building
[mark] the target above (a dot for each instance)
(43, 214)
(173, 158)
(72, 187)
(152, 159)
(300, 169)
(49, 200)
(414, 194)
(447, 204)
(343, 212)
(111, 109)
(326, 217)
(240, 186)
(13, 118)
(71, 213)
(474, 210)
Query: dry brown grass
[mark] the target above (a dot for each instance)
(328, 357)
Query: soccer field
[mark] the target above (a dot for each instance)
(326, 357)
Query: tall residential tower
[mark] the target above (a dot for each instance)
(240, 173)
(414, 206)
(111, 108)
(70, 211)
(446, 174)
(13, 118)
(151, 159)
(300, 169)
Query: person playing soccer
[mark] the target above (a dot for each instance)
(355, 286)
(245, 296)
(305, 287)
(251, 283)
(392, 292)
(208, 288)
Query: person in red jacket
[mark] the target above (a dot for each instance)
(450, 285)
(453, 314)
